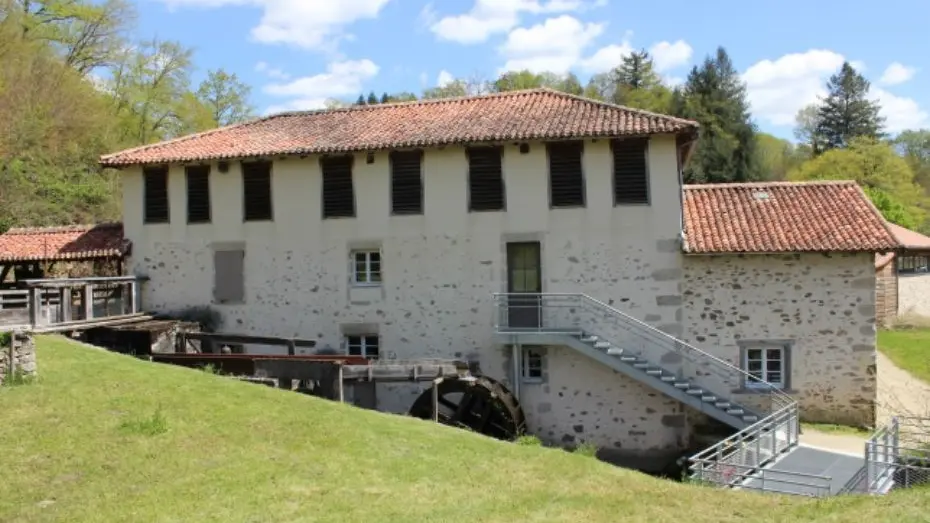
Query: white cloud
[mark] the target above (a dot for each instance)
(669, 55)
(271, 72)
(554, 45)
(606, 58)
(309, 24)
(897, 73)
(311, 92)
(444, 78)
(490, 17)
(778, 89)
(900, 113)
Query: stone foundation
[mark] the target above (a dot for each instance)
(18, 355)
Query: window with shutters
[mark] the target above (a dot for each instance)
(406, 182)
(198, 193)
(566, 180)
(631, 172)
(155, 198)
(229, 276)
(485, 179)
(256, 187)
(338, 193)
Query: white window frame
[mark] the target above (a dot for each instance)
(364, 343)
(531, 359)
(764, 360)
(368, 274)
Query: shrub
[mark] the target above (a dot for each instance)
(586, 449)
(153, 425)
(528, 441)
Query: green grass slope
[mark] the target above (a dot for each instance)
(909, 349)
(104, 437)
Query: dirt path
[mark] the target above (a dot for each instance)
(899, 393)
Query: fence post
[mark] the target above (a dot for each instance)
(34, 304)
(134, 295)
(64, 304)
(88, 301)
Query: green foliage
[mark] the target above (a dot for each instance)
(18, 378)
(5, 339)
(225, 98)
(210, 368)
(884, 175)
(847, 113)
(152, 425)
(715, 96)
(777, 157)
(527, 440)
(586, 449)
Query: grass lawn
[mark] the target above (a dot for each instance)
(908, 349)
(104, 437)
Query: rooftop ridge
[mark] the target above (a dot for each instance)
(57, 229)
(753, 185)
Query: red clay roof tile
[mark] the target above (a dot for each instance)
(536, 114)
(783, 217)
(71, 242)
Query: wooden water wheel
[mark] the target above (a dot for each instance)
(483, 406)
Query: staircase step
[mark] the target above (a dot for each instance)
(641, 365)
(628, 358)
(654, 372)
(709, 398)
(601, 345)
(682, 385)
(589, 339)
(722, 404)
(750, 418)
(614, 351)
(668, 379)
(735, 412)
(695, 392)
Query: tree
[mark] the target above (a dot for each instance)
(401, 97)
(384, 98)
(452, 89)
(847, 113)
(715, 96)
(372, 98)
(777, 157)
(225, 97)
(886, 177)
(361, 100)
(806, 122)
(633, 83)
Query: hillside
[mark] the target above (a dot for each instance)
(104, 437)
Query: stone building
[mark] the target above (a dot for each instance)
(903, 278)
(490, 229)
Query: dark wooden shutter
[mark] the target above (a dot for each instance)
(198, 193)
(406, 182)
(566, 181)
(155, 207)
(229, 276)
(631, 178)
(256, 190)
(485, 179)
(338, 193)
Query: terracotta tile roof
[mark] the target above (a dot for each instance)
(519, 115)
(71, 242)
(910, 240)
(783, 217)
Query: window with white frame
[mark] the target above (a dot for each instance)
(765, 364)
(532, 364)
(366, 267)
(363, 345)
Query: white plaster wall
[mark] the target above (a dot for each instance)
(914, 294)
(440, 270)
(824, 303)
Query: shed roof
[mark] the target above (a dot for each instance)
(70, 242)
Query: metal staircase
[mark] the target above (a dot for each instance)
(667, 364)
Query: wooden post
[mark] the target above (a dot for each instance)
(64, 304)
(291, 347)
(88, 301)
(135, 305)
(340, 393)
(34, 304)
(436, 383)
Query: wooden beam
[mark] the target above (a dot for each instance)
(216, 337)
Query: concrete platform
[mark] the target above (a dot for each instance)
(807, 471)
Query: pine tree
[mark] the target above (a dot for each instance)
(715, 96)
(637, 71)
(384, 98)
(636, 84)
(361, 100)
(372, 98)
(846, 112)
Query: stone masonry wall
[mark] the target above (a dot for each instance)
(822, 305)
(17, 355)
(914, 294)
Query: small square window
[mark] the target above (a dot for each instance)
(366, 267)
(364, 345)
(532, 364)
(765, 364)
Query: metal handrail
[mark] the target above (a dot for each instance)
(764, 386)
(888, 448)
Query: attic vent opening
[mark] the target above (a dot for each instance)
(761, 196)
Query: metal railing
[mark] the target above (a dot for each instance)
(741, 455)
(898, 455)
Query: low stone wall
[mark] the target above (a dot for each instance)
(17, 355)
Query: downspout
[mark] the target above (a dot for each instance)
(686, 143)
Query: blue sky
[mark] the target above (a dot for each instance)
(297, 53)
